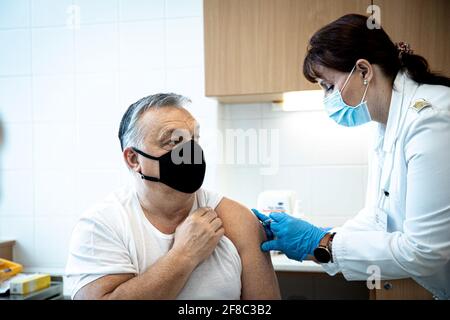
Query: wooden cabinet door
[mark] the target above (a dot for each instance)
(402, 289)
(6, 249)
(255, 47)
(424, 24)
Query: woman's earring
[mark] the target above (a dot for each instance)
(366, 82)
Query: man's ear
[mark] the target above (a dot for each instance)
(365, 69)
(131, 159)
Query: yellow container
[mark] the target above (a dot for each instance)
(29, 284)
(8, 269)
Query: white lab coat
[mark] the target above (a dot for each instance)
(405, 232)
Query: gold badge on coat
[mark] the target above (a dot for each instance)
(420, 104)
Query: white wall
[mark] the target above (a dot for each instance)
(63, 91)
(325, 164)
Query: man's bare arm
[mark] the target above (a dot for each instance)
(163, 280)
(195, 240)
(241, 226)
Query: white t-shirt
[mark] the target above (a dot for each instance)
(115, 237)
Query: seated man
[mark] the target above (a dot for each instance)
(164, 237)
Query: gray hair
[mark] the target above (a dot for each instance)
(130, 131)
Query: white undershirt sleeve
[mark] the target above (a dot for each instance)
(96, 250)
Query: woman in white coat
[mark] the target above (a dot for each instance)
(404, 229)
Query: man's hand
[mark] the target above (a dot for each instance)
(198, 235)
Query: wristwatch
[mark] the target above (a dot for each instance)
(323, 253)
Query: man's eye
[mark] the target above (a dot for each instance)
(174, 142)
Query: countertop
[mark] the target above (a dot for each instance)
(282, 263)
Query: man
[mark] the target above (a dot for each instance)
(164, 237)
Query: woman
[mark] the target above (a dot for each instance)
(404, 229)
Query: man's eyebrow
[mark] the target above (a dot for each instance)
(165, 134)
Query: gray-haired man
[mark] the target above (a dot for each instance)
(164, 237)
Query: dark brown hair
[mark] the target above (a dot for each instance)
(341, 43)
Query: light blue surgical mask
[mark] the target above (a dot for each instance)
(344, 114)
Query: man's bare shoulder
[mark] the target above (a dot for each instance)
(246, 232)
(240, 224)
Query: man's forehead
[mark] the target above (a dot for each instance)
(167, 118)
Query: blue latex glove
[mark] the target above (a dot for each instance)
(265, 221)
(295, 237)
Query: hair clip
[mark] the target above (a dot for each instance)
(403, 48)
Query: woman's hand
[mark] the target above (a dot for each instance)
(294, 237)
(265, 221)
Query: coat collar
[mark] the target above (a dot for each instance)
(402, 94)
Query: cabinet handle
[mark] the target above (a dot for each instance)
(388, 286)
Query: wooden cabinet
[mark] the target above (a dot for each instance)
(6, 249)
(424, 24)
(402, 289)
(319, 285)
(257, 47)
(254, 49)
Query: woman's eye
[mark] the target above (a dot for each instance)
(329, 88)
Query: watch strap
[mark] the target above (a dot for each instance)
(330, 245)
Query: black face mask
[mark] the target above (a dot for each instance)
(183, 168)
